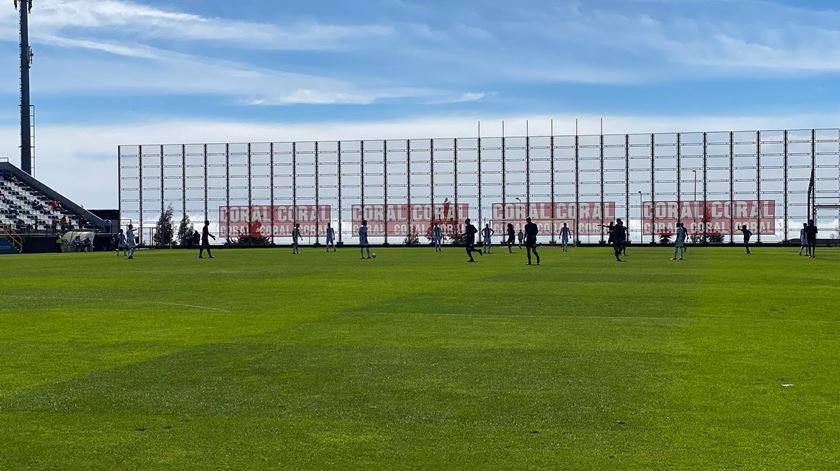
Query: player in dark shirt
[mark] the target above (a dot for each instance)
(511, 234)
(469, 239)
(811, 232)
(531, 231)
(205, 240)
(747, 234)
(618, 238)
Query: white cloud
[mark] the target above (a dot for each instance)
(462, 98)
(70, 17)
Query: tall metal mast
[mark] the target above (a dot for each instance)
(25, 6)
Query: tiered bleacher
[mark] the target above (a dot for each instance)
(28, 207)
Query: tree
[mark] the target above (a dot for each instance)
(185, 231)
(164, 230)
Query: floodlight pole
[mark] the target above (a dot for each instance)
(25, 7)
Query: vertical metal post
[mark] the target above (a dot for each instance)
(813, 202)
(627, 181)
(679, 177)
(601, 173)
(119, 187)
(577, 187)
(785, 184)
(455, 165)
(227, 188)
(553, 195)
(317, 193)
(432, 173)
(652, 188)
(271, 189)
(705, 184)
(385, 184)
(250, 198)
(731, 187)
(408, 186)
(162, 183)
(527, 170)
(478, 161)
(294, 183)
(340, 215)
(140, 162)
(758, 184)
(504, 176)
(206, 185)
(183, 181)
(362, 176)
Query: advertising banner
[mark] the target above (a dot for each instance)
(588, 215)
(256, 220)
(662, 217)
(398, 219)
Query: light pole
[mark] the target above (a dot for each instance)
(25, 7)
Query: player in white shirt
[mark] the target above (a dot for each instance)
(487, 232)
(130, 241)
(803, 239)
(564, 237)
(437, 237)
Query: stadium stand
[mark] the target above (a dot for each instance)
(30, 208)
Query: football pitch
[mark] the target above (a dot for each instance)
(263, 360)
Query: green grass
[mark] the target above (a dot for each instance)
(259, 359)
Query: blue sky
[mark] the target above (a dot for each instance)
(116, 71)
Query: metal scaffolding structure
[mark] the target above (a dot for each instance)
(714, 182)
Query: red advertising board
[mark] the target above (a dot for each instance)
(589, 216)
(256, 220)
(398, 218)
(758, 216)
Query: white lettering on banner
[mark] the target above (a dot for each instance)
(711, 218)
(588, 216)
(256, 220)
(405, 218)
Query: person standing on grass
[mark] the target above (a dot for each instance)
(511, 237)
(488, 241)
(618, 238)
(564, 237)
(363, 239)
(469, 239)
(205, 240)
(437, 237)
(330, 237)
(296, 239)
(130, 242)
(679, 242)
(521, 236)
(803, 240)
(531, 232)
(747, 234)
(627, 240)
(121, 243)
(811, 232)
